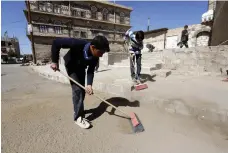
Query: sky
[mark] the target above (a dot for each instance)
(162, 14)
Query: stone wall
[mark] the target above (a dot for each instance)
(196, 60)
(198, 36)
(173, 36)
(156, 39)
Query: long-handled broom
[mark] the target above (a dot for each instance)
(134, 120)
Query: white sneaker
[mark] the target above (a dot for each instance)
(82, 122)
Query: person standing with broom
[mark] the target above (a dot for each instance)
(81, 54)
(135, 42)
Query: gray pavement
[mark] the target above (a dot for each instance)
(201, 96)
(37, 117)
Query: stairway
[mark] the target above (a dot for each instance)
(151, 63)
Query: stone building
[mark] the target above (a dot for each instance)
(10, 46)
(77, 19)
(220, 24)
(199, 34)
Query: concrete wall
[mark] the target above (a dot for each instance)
(198, 36)
(198, 59)
(156, 39)
(220, 26)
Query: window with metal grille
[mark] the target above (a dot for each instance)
(76, 34)
(83, 14)
(58, 30)
(43, 29)
(122, 17)
(93, 12)
(105, 14)
(57, 9)
(74, 12)
(83, 34)
(42, 6)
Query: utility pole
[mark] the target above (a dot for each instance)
(148, 24)
(31, 32)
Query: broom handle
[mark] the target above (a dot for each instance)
(94, 94)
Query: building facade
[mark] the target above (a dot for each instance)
(220, 24)
(77, 19)
(10, 46)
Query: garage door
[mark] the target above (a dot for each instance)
(171, 42)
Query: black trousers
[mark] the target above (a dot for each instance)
(138, 58)
(78, 94)
(185, 43)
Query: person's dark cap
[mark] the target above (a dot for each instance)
(101, 43)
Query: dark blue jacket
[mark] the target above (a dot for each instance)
(79, 56)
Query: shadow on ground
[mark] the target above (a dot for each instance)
(116, 101)
(103, 70)
(147, 77)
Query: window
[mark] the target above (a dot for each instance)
(83, 14)
(74, 12)
(58, 30)
(83, 34)
(93, 12)
(57, 9)
(121, 17)
(105, 14)
(42, 6)
(76, 34)
(43, 28)
(3, 50)
(3, 43)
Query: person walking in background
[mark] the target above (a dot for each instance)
(184, 37)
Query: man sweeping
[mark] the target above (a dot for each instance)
(82, 54)
(135, 45)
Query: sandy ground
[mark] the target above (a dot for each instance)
(37, 116)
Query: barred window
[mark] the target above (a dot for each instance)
(105, 14)
(122, 17)
(76, 13)
(57, 9)
(42, 6)
(58, 30)
(93, 12)
(83, 34)
(43, 29)
(76, 34)
(83, 14)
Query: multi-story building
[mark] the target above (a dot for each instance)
(77, 19)
(10, 46)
